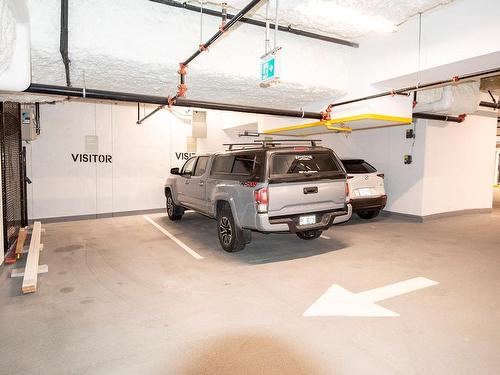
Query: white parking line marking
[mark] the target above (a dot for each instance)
(193, 253)
(325, 237)
(337, 301)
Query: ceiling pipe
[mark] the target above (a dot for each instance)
(407, 90)
(432, 116)
(182, 88)
(77, 92)
(222, 30)
(250, 21)
(63, 41)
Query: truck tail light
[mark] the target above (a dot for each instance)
(261, 199)
(381, 175)
(347, 197)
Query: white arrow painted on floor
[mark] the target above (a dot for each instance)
(338, 301)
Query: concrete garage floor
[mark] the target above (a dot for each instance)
(122, 298)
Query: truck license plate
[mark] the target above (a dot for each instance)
(307, 220)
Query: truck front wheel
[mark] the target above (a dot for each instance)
(174, 212)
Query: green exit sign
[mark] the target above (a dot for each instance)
(268, 69)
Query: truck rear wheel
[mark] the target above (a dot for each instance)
(231, 238)
(174, 212)
(309, 234)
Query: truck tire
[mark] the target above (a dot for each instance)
(231, 238)
(368, 214)
(309, 234)
(174, 212)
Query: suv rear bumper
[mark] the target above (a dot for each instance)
(324, 220)
(376, 203)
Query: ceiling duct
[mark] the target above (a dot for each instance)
(450, 100)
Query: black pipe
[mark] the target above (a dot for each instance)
(432, 116)
(250, 21)
(420, 87)
(246, 109)
(490, 105)
(63, 41)
(223, 29)
(159, 100)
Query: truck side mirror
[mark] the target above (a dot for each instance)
(174, 171)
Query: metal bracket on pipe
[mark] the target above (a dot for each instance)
(139, 122)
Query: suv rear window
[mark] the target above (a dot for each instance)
(358, 166)
(305, 164)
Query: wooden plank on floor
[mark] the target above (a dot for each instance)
(31, 270)
(26, 248)
(23, 233)
(19, 272)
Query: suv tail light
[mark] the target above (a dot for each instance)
(381, 175)
(261, 199)
(347, 197)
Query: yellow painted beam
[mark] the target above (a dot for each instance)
(341, 120)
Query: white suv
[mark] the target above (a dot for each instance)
(366, 188)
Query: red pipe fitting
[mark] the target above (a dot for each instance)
(170, 101)
(181, 90)
(182, 69)
(325, 115)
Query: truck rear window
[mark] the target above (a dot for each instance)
(358, 166)
(303, 164)
(238, 165)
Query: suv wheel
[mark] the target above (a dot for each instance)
(368, 214)
(174, 212)
(231, 238)
(309, 234)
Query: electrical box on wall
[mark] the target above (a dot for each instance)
(29, 123)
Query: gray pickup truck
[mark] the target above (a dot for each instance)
(266, 186)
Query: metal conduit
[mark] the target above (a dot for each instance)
(407, 90)
(250, 21)
(63, 42)
(223, 29)
(77, 92)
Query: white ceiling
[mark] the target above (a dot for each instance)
(345, 18)
(136, 47)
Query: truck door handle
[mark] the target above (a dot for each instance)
(201, 183)
(310, 190)
(187, 182)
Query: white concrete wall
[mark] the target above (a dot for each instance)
(385, 148)
(462, 30)
(142, 156)
(459, 165)
(452, 169)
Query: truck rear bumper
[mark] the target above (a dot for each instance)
(360, 204)
(324, 220)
